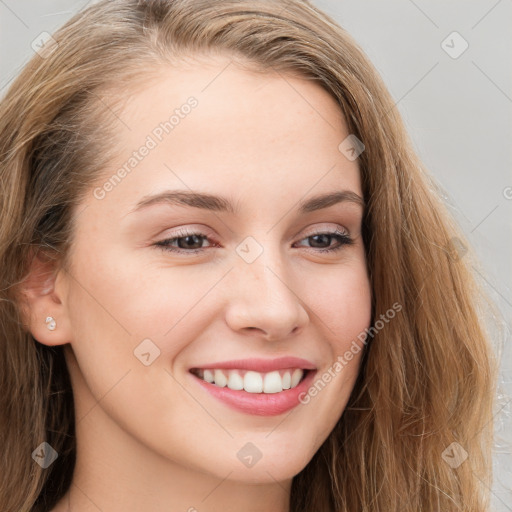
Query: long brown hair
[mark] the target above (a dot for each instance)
(427, 379)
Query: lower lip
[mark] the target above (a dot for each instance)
(259, 404)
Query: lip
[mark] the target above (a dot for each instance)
(260, 365)
(259, 404)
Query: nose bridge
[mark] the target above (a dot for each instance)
(265, 263)
(266, 276)
(262, 295)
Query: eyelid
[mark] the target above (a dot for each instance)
(323, 226)
(311, 230)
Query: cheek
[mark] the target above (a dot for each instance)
(134, 297)
(342, 309)
(126, 311)
(340, 299)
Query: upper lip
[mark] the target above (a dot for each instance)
(261, 365)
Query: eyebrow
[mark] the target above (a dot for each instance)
(221, 204)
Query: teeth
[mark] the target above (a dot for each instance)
(287, 380)
(296, 376)
(235, 381)
(220, 378)
(253, 382)
(272, 383)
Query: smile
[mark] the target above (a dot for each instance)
(256, 386)
(252, 381)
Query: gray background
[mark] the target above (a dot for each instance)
(458, 112)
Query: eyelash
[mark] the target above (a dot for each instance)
(164, 245)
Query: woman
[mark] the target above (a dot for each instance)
(228, 281)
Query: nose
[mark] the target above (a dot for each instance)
(263, 301)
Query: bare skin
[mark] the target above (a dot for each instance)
(149, 437)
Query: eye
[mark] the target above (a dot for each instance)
(325, 237)
(188, 242)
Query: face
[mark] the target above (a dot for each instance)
(163, 287)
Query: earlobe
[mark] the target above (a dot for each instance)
(50, 323)
(42, 301)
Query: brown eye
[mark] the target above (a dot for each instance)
(183, 243)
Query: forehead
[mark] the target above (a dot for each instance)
(215, 125)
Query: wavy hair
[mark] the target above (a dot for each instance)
(427, 379)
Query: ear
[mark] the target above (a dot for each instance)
(43, 294)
